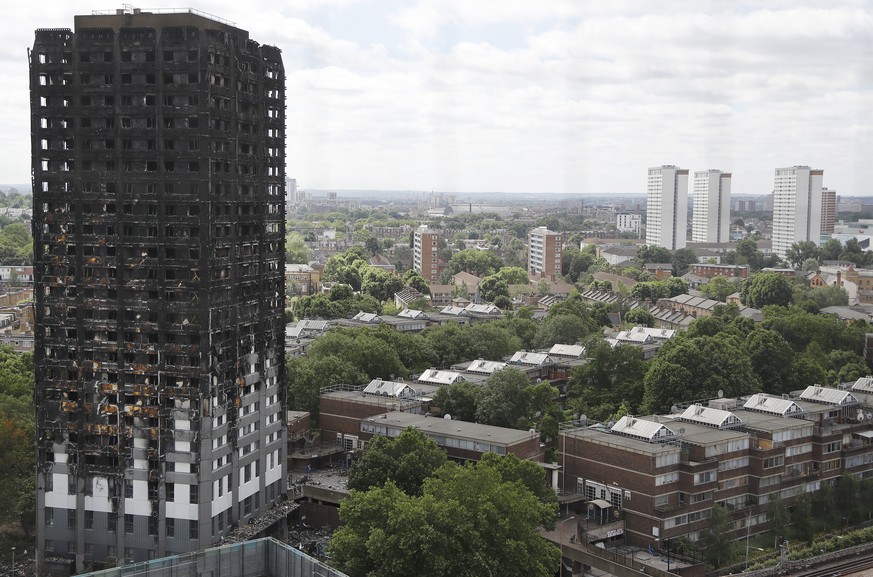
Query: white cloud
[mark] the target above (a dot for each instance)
(556, 95)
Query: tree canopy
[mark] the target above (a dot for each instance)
(767, 288)
(406, 460)
(469, 521)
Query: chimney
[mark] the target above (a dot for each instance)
(839, 278)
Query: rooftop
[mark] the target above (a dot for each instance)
(454, 428)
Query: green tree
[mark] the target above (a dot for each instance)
(468, 522)
(406, 460)
(778, 518)
(503, 400)
(717, 540)
(492, 287)
(611, 375)
(296, 250)
(478, 262)
(513, 275)
(682, 260)
(458, 400)
(801, 251)
(697, 367)
(719, 288)
(305, 377)
(771, 356)
(764, 289)
(379, 283)
(640, 316)
(651, 253)
(563, 329)
(828, 296)
(413, 279)
(802, 522)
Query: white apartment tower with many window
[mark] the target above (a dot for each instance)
(797, 207)
(667, 207)
(712, 206)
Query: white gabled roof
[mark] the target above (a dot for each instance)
(293, 331)
(660, 334)
(533, 359)
(638, 338)
(710, 417)
(642, 429)
(567, 351)
(486, 367)
(487, 309)
(864, 385)
(457, 311)
(765, 403)
(313, 325)
(438, 377)
(367, 317)
(412, 314)
(388, 389)
(828, 396)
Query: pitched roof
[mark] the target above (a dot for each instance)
(710, 417)
(772, 404)
(412, 314)
(487, 309)
(388, 389)
(485, 367)
(828, 396)
(367, 317)
(533, 359)
(438, 377)
(567, 351)
(457, 311)
(864, 385)
(642, 429)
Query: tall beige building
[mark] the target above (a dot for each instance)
(828, 210)
(797, 207)
(667, 207)
(425, 258)
(712, 206)
(544, 252)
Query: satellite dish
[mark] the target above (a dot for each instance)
(860, 414)
(610, 423)
(447, 417)
(583, 419)
(532, 431)
(720, 393)
(674, 409)
(681, 430)
(869, 416)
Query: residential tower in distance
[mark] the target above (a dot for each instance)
(797, 207)
(712, 206)
(425, 253)
(544, 253)
(667, 207)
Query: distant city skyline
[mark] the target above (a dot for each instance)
(557, 96)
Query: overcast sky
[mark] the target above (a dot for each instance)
(525, 96)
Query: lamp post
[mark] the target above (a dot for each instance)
(13, 562)
(561, 538)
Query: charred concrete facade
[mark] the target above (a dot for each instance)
(158, 177)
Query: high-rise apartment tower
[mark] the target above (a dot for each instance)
(158, 144)
(797, 207)
(712, 206)
(667, 207)
(828, 210)
(544, 253)
(425, 253)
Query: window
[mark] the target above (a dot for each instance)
(193, 530)
(89, 519)
(49, 516)
(128, 524)
(776, 461)
(111, 522)
(707, 477)
(171, 527)
(666, 479)
(71, 519)
(833, 447)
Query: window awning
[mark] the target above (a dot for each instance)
(865, 434)
(601, 503)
